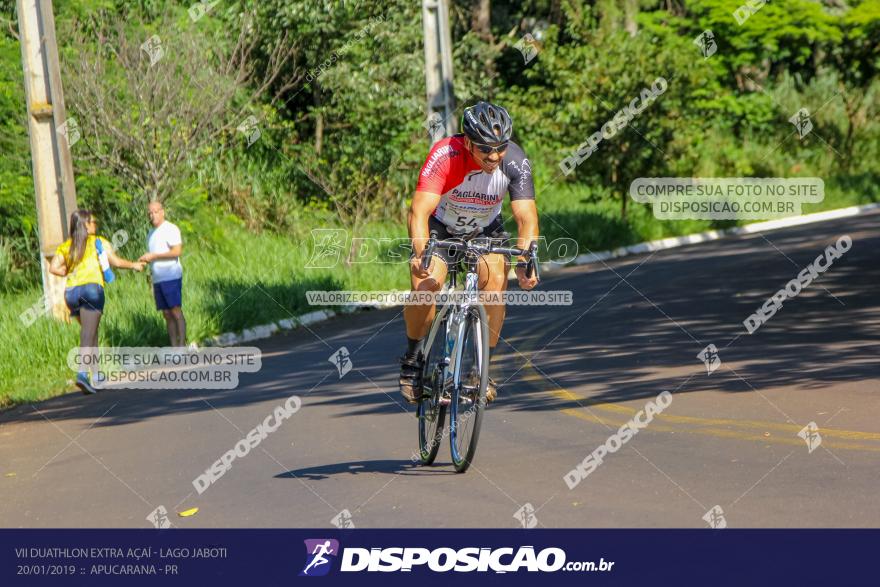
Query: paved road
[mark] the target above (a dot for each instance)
(574, 375)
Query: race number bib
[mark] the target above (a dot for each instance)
(462, 219)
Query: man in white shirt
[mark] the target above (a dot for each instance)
(165, 247)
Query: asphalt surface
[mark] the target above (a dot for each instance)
(573, 375)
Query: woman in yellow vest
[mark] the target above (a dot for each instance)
(78, 259)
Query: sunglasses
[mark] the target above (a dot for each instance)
(490, 149)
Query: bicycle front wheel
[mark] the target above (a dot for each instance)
(431, 410)
(470, 379)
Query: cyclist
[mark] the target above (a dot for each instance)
(459, 195)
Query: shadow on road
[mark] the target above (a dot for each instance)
(387, 466)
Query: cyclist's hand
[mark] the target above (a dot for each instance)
(415, 266)
(525, 283)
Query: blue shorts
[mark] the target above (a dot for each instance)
(168, 294)
(89, 297)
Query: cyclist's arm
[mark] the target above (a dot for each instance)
(423, 204)
(526, 215)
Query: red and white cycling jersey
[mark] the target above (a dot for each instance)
(470, 197)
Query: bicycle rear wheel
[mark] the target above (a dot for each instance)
(431, 411)
(469, 393)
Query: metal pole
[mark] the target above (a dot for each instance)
(446, 66)
(54, 188)
(438, 65)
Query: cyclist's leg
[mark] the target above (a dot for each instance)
(492, 270)
(418, 319)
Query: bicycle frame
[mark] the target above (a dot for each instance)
(455, 325)
(459, 310)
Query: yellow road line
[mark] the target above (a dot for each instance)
(715, 427)
(758, 424)
(791, 440)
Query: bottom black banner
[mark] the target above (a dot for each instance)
(467, 556)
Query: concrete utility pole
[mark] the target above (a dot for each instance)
(50, 134)
(438, 67)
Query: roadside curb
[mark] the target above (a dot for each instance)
(712, 235)
(267, 330)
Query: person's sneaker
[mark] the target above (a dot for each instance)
(99, 381)
(82, 381)
(410, 373)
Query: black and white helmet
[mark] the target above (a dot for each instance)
(487, 123)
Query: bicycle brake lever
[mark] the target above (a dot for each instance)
(428, 252)
(533, 262)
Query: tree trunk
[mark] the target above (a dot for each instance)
(614, 167)
(675, 8)
(851, 107)
(319, 120)
(481, 18)
(631, 9)
(353, 251)
(608, 14)
(319, 133)
(556, 16)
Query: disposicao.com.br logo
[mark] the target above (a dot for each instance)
(442, 560)
(320, 554)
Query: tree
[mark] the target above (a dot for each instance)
(858, 60)
(148, 107)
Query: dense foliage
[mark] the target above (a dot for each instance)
(342, 145)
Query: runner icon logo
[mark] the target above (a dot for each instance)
(343, 520)
(810, 434)
(706, 42)
(715, 518)
(526, 516)
(320, 554)
(342, 359)
(801, 121)
(710, 358)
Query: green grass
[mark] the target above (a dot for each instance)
(234, 279)
(248, 280)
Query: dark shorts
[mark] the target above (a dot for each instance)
(495, 231)
(84, 297)
(168, 294)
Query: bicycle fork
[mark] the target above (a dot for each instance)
(455, 329)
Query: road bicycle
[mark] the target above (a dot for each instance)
(455, 355)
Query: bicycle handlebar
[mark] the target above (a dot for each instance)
(531, 253)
